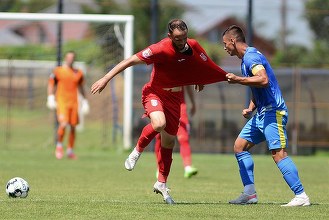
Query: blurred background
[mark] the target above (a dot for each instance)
(294, 35)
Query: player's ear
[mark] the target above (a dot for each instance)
(232, 40)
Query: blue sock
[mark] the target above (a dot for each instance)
(246, 165)
(290, 174)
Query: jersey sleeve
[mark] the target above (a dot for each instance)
(52, 77)
(151, 54)
(252, 60)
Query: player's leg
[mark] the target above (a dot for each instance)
(158, 122)
(248, 137)
(62, 118)
(290, 174)
(157, 147)
(164, 165)
(185, 149)
(73, 121)
(69, 151)
(246, 170)
(276, 136)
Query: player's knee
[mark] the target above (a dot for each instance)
(158, 125)
(238, 148)
(168, 143)
(279, 154)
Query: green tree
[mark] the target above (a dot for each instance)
(317, 14)
(142, 12)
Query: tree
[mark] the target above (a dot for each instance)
(142, 12)
(317, 14)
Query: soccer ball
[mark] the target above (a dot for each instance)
(17, 188)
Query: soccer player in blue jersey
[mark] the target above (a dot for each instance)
(267, 124)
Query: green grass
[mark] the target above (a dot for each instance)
(96, 186)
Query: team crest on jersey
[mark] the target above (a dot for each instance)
(203, 57)
(154, 102)
(147, 53)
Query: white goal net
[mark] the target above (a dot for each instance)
(30, 44)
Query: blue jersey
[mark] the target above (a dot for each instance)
(270, 97)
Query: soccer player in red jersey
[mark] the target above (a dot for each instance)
(63, 86)
(183, 134)
(177, 61)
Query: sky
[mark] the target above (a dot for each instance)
(266, 17)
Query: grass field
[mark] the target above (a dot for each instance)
(96, 186)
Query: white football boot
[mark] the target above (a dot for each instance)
(299, 200)
(132, 159)
(164, 191)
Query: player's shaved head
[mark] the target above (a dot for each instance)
(236, 32)
(177, 24)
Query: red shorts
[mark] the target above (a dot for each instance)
(158, 99)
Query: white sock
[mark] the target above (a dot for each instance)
(135, 151)
(187, 168)
(249, 189)
(69, 150)
(59, 145)
(302, 195)
(161, 185)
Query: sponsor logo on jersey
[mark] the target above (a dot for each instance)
(275, 142)
(147, 53)
(203, 57)
(154, 102)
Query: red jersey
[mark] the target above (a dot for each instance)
(172, 68)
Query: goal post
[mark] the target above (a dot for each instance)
(127, 20)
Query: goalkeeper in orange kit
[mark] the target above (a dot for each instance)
(64, 84)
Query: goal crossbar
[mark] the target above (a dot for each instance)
(128, 51)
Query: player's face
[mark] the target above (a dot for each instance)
(179, 38)
(229, 45)
(69, 59)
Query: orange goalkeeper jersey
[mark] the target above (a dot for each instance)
(67, 81)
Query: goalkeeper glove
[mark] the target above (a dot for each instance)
(85, 107)
(51, 102)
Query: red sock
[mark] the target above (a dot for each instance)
(146, 137)
(185, 151)
(164, 163)
(157, 146)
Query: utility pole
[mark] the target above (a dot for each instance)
(59, 55)
(154, 21)
(59, 33)
(249, 42)
(283, 32)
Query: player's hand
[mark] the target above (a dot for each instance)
(247, 113)
(198, 88)
(98, 86)
(51, 102)
(231, 78)
(85, 107)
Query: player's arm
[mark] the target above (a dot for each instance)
(248, 111)
(99, 85)
(190, 94)
(259, 78)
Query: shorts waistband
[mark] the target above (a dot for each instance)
(173, 89)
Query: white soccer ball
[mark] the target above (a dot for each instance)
(17, 188)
